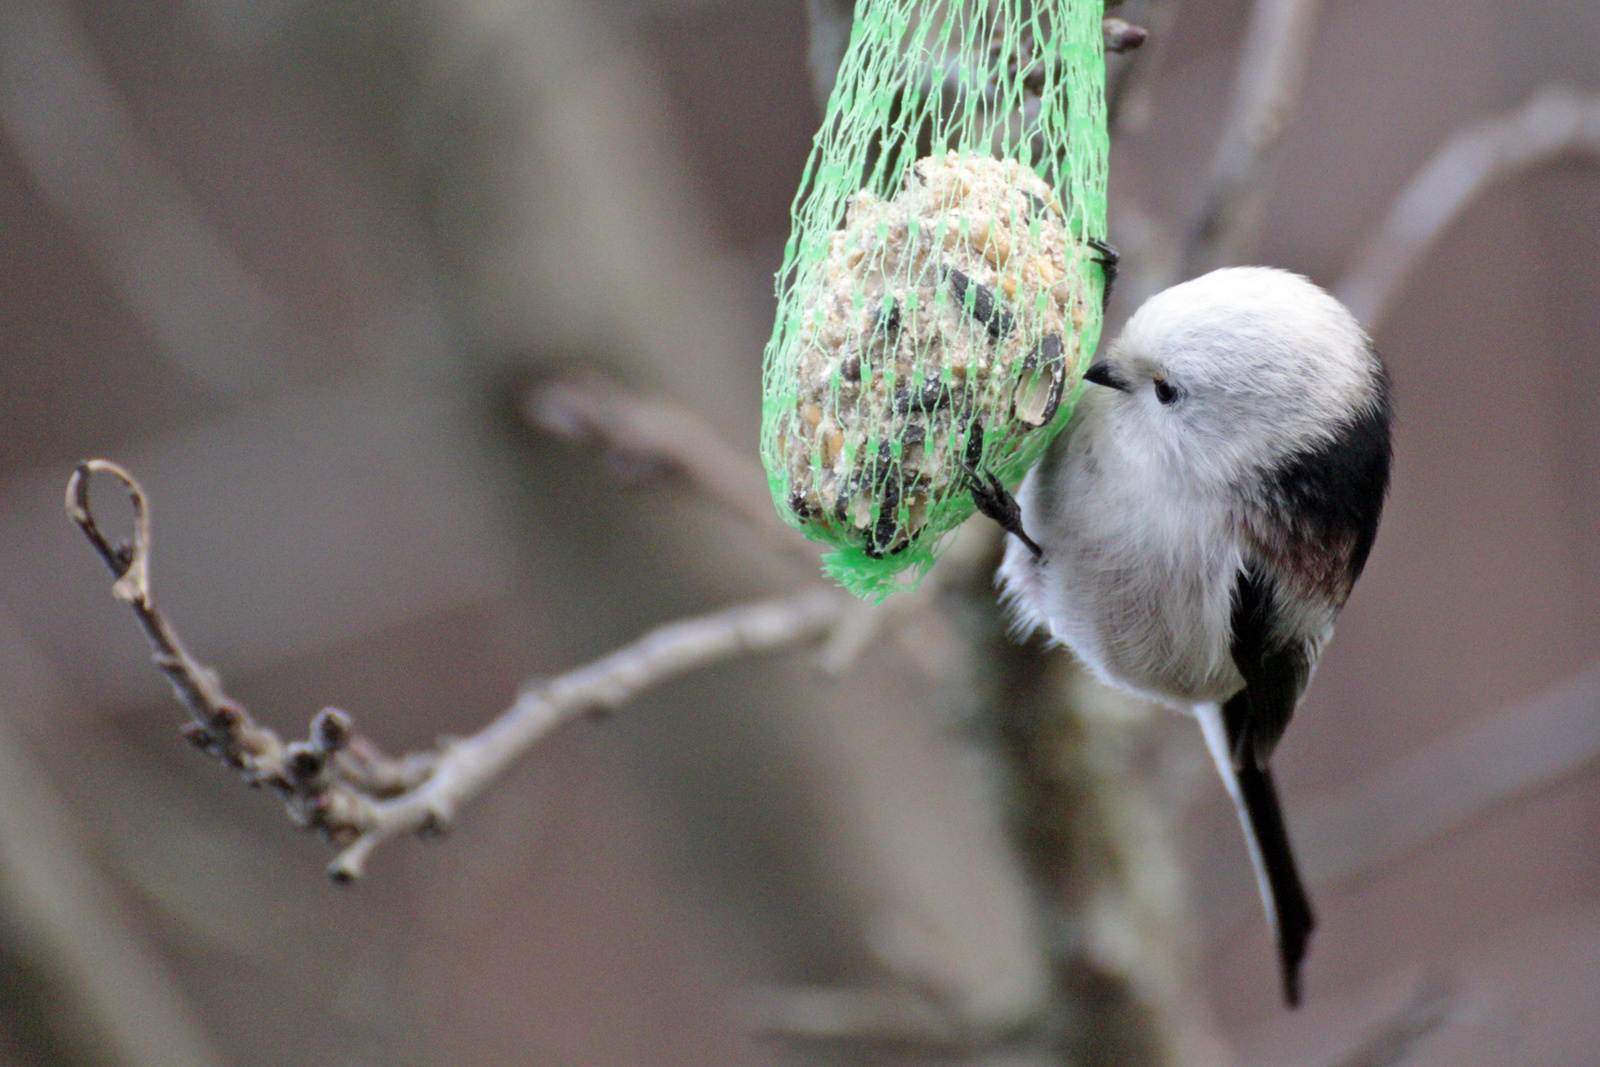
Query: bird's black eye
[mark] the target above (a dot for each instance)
(1166, 392)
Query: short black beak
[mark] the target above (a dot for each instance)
(1102, 374)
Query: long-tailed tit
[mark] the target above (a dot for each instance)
(1203, 519)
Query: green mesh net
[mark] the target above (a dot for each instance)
(940, 293)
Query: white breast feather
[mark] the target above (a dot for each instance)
(1139, 578)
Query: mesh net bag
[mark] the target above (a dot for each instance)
(941, 290)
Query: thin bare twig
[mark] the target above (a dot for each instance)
(220, 726)
(464, 767)
(1554, 122)
(1271, 74)
(339, 783)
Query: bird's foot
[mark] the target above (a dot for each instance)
(997, 503)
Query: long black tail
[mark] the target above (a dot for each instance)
(1256, 798)
(1288, 907)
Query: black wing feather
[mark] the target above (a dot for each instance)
(1313, 528)
(1275, 668)
(1319, 512)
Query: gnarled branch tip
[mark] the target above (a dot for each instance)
(129, 561)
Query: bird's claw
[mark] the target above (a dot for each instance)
(997, 503)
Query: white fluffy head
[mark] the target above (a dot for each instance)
(1255, 364)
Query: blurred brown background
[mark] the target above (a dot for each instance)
(293, 262)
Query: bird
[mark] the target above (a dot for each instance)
(1202, 520)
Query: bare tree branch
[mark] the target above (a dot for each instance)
(339, 783)
(220, 725)
(1271, 75)
(465, 767)
(1554, 122)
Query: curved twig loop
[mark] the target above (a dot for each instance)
(128, 560)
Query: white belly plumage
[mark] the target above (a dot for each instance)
(1144, 603)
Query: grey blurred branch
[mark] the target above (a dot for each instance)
(1128, 76)
(89, 159)
(898, 1015)
(86, 968)
(653, 436)
(1456, 780)
(1271, 75)
(1396, 1038)
(337, 782)
(1267, 87)
(1443, 788)
(1554, 122)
